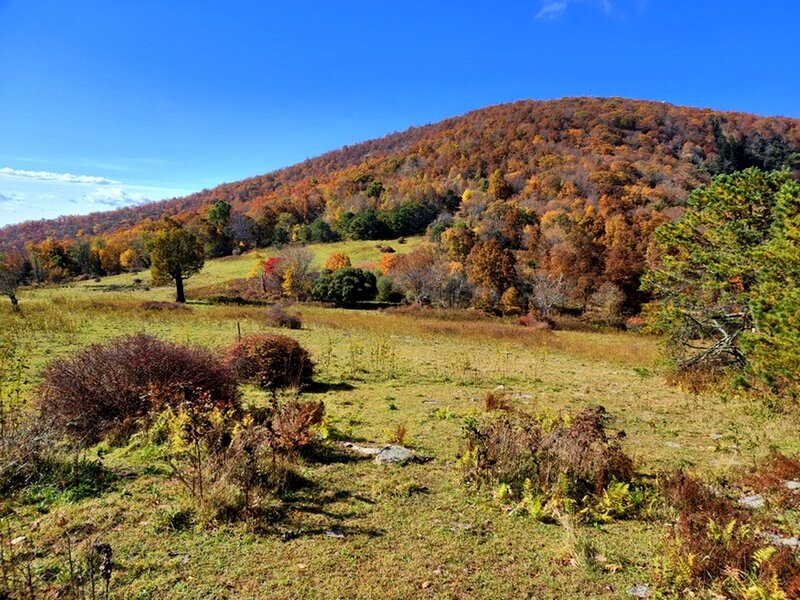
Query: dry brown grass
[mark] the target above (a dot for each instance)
(620, 348)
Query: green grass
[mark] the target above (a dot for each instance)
(409, 532)
(362, 254)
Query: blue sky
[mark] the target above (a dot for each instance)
(106, 104)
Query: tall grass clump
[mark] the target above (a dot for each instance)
(106, 388)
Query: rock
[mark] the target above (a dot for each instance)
(779, 540)
(362, 450)
(519, 396)
(18, 540)
(716, 436)
(792, 485)
(754, 501)
(334, 532)
(640, 590)
(672, 444)
(288, 535)
(394, 455)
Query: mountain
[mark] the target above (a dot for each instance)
(597, 145)
(578, 183)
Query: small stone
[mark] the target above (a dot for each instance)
(792, 485)
(500, 387)
(716, 436)
(394, 455)
(640, 590)
(672, 444)
(754, 501)
(288, 535)
(334, 532)
(426, 585)
(18, 540)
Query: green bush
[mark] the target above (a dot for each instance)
(345, 287)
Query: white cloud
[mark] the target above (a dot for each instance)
(114, 197)
(10, 198)
(59, 177)
(28, 195)
(553, 9)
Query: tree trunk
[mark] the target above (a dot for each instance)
(179, 296)
(14, 302)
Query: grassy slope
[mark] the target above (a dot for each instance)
(409, 532)
(362, 254)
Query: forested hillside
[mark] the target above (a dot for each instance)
(570, 190)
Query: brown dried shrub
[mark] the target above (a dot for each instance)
(292, 425)
(497, 401)
(278, 317)
(271, 361)
(113, 385)
(572, 460)
(717, 543)
(771, 476)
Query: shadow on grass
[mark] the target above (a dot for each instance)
(288, 520)
(70, 481)
(322, 387)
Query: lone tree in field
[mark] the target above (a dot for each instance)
(726, 276)
(175, 254)
(10, 268)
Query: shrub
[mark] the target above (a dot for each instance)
(570, 464)
(278, 317)
(270, 361)
(711, 535)
(771, 476)
(345, 287)
(292, 425)
(108, 387)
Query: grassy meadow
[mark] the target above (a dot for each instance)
(358, 529)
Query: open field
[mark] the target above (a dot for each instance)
(408, 532)
(362, 254)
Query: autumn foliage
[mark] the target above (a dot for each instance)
(573, 188)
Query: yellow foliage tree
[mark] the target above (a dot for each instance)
(337, 260)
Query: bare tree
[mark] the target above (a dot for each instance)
(547, 291)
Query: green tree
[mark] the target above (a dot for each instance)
(175, 254)
(726, 277)
(217, 230)
(345, 287)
